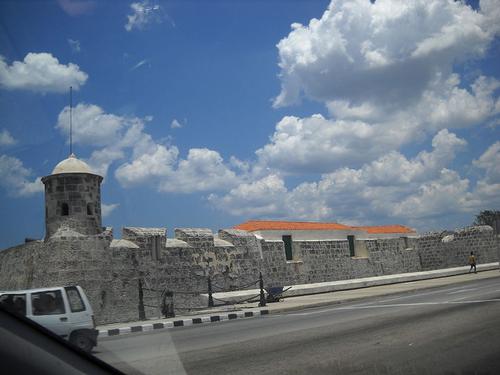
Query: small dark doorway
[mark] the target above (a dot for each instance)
(352, 251)
(287, 240)
(64, 209)
(89, 209)
(405, 242)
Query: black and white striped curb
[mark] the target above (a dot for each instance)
(181, 322)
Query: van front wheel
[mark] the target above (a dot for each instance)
(82, 340)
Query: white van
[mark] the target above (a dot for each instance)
(65, 311)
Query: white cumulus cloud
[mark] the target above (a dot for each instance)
(91, 125)
(107, 209)
(359, 133)
(15, 178)
(6, 139)
(446, 104)
(140, 159)
(420, 191)
(113, 137)
(41, 72)
(148, 167)
(490, 162)
(202, 170)
(385, 52)
(261, 197)
(316, 144)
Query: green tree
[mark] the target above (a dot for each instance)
(488, 217)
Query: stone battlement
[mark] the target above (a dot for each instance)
(117, 273)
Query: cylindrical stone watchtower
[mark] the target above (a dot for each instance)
(72, 198)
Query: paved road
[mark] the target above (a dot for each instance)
(448, 330)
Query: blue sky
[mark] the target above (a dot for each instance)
(207, 114)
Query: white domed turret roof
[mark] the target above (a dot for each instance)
(72, 165)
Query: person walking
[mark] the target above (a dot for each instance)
(472, 262)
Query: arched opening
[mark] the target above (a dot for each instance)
(89, 209)
(64, 209)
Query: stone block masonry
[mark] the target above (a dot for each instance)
(73, 200)
(126, 277)
(198, 238)
(449, 249)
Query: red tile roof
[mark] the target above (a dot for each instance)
(257, 225)
(386, 229)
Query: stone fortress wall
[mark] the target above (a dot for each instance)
(118, 273)
(448, 249)
(124, 278)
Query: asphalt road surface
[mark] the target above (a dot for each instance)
(448, 330)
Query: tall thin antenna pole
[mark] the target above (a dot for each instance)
(71, 120)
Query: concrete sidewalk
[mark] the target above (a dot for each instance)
(394, 284)
(326, 299)
(338, 285)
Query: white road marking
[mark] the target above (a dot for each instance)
(479, 292)
(461, 298)
(391, 305)
(462, 290)
(452, 290)
(358, 307)
(418, 304)
(410, 295)
(419, 294)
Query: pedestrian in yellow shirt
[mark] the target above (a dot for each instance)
(472, 262)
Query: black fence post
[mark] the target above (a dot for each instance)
(142, 313)
(210, 297)
(261, 286)
(168, 310)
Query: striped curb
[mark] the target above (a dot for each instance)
(181, 323)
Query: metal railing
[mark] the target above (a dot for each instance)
(166, 306)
